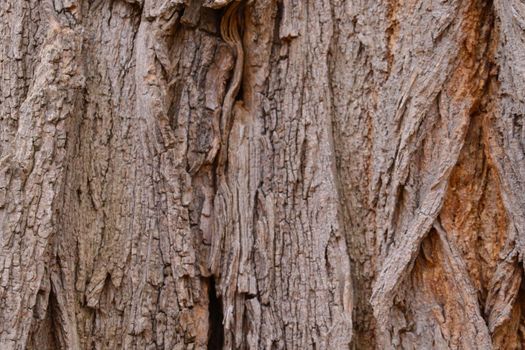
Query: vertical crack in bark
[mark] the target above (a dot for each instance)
(228, 218)
(216, 331)
(43, 334)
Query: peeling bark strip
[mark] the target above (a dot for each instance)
(262, 174)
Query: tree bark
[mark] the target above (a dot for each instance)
(262, 174)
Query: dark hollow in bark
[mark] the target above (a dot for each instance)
(216, 337)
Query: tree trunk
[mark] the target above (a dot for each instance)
(262, 174)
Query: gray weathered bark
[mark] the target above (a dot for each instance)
(262, 174)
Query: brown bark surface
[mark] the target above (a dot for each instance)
(262, 174)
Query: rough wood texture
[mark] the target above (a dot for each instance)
(262, 174)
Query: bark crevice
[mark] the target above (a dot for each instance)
(216, 331)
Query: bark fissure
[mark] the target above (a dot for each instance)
(216, 333)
